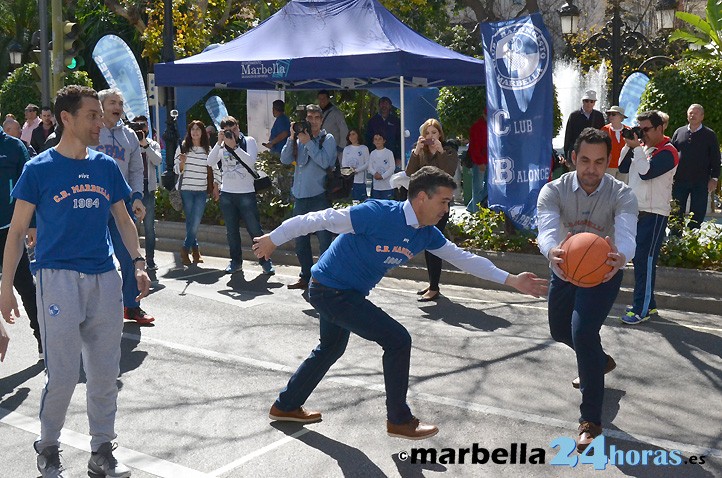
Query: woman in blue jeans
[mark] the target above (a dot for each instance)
(192, 165)
(238, 195)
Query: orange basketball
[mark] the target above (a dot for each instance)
(585, 259)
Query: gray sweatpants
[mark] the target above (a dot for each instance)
(79, 314)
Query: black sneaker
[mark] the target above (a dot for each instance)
(49, 464)
(102, 463)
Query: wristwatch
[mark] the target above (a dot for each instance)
(138, 259)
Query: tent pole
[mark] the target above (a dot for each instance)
(403, 124)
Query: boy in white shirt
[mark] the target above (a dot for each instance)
(381, 167)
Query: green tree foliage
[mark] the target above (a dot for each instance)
(706, 32)
(677, 86)
(18, 21)
(459, 107)
(19, 89)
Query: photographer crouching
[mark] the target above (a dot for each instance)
(314, 151)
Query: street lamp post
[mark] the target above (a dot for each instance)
(616, 38)
(170, 136)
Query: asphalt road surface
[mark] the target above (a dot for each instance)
(195, 388)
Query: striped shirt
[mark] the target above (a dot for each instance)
(195, 171)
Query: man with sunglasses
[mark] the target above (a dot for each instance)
(651, 167)
(585, 117)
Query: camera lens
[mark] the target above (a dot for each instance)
(228, 134)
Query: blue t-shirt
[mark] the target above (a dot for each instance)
(281, 124)
(72, 201)
(381, 241)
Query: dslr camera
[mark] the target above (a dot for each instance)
(629, 133)
(138, 128)
(302, 126)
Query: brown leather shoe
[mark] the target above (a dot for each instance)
(611, 365)
(413, 430)
(588, 431)
(185, 260)
(300, 415)
(197, 259)
(299, 284)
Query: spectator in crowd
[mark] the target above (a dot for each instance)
(586, 200)
(334, 121)
(665, 123)
(12, 128)
(387, 123)
(343, 278)
(356, 157)
(80, 288)
(314, 153)
(238, 195)
(279, 130)
(614, 129)
(429, 150)
(582, 118)
(151, 154)
(381, 168)
(32, 121)
(41, 133)
(651, 169)
(211, 131)
(191, 166)
(699, 165)
(479, 154)
(13, 156)
(120, 143)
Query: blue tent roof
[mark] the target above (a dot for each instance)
(325, 44)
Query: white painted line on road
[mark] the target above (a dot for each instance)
(261, 451)
(491, 410)
(80, 441)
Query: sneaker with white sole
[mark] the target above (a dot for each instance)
(49, 464)
(650, 313)
(102, 463)
(630, 318)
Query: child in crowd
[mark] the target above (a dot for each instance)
(381, 166)
(356, 157)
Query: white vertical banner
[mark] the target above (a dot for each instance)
(259, 104)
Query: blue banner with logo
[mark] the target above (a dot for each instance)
(118, 65)
(519, 95)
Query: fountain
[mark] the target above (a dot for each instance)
(571, 85)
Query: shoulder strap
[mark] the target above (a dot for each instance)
(253, 173)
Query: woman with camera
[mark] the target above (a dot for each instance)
(191, 164)
(430, 151)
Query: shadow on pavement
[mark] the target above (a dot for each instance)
(689, 342)
(457, 315)
(351, 461)
(9, 384)
(241, 289)
(415, 470)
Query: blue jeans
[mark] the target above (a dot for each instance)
(342, 312)
(194, 205)
(303, 243)
(149, 227)
(127, 268)
(478, 188)
(697, 194)
(234, 207)
(576, 315)
(651, 231)
(382, 194)
(358, 192)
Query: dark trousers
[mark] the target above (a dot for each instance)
(433, 263)
(576, 315)
(650, 236)
(303, 243)
(340, 313)
(24, 284)
(697, 194)
(127, 268)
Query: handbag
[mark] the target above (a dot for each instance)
(261, 181)
(209, 181)
(338, 185)
(176, 201)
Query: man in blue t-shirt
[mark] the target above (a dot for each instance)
(280, 129)
(375, 236)
(73, 191)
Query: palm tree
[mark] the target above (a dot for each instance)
(706, 31)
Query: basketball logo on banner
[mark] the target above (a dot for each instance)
(521, 56)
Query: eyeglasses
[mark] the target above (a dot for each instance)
(644, 130)
(612, 114)
(590, 101)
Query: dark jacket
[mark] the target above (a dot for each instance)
(575, 125)
(699, 155)
(13, 156)
(37, 140)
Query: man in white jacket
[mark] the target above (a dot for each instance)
(120, 143)
(651, 167)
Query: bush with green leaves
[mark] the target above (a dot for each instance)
(486, 230)
(19, 89)
(677, 86)
(693, 248)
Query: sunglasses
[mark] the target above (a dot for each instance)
(612, 114)
(645, 130)
(590, 101)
